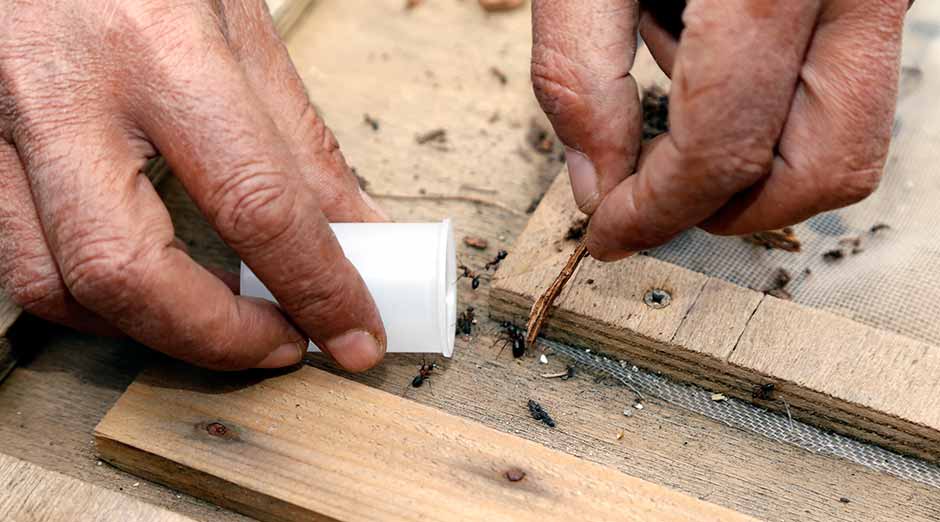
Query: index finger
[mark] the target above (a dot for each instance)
(734, 75)
(228, 153)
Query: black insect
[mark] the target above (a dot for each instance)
(539, 414)
(499, 258)
(466, 321)
(514, 336)
(763, 392)
(424, 374)
(474, 277)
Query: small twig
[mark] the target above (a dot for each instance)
(448, 197)
(541, 307)
(554, 375)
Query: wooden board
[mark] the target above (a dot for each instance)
(831, 371)
(29, 493)
(314, 446)
(399, 67)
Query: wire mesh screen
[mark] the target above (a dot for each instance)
(878, 261)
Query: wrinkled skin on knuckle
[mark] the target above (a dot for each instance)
(312, 130)
(725, 166)
(33, 282)
(555, 80)
(106, 272)
(255, 207)
(851, 186)
(319, 295)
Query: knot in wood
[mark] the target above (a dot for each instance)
(217, 429)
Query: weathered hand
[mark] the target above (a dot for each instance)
(89, 89)
(778, 111)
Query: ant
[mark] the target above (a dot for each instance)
(495, 262)
(513, 335)
(466, 321)
(424, 374)
(474, 277)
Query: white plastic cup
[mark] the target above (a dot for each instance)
(411, 271)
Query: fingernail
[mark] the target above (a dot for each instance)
(285, 355)
(373, 205)
(355, 351)
(583, 180)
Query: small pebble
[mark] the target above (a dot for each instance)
(718, 397)
(638, 405)
(628, 412)
(543, 359)
(619, 434)
(844, 500)
(136, 484)
(98, 463)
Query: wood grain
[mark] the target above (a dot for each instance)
(29, 493)
(831, 371)
(310, 445)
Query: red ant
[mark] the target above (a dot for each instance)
(424, 374)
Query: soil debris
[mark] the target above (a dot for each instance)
(655, 112)
(783, 239)
(436, 136)
(778, 287)
(476, 242)
(500, 5)
(499, 75)
(565, 375)
(540, 138)
(539, 414)
(577, 230)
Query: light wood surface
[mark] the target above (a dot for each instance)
(314, 446)
(828, 370)
(29, 493)
(399, 66)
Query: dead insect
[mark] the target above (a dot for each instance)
(424, 374)
(370, 121)
(512, 335)
(763, 392)
(499, 75)
(539, 414)
(782, 239)
(497, 260)
(833, 255)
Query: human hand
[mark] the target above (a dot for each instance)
(778, 111)
(89, 89)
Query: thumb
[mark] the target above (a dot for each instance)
(582, 53)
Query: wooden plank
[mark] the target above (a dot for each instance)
(29, 493)
(313, 446)
(9, 312)
(831, 371)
